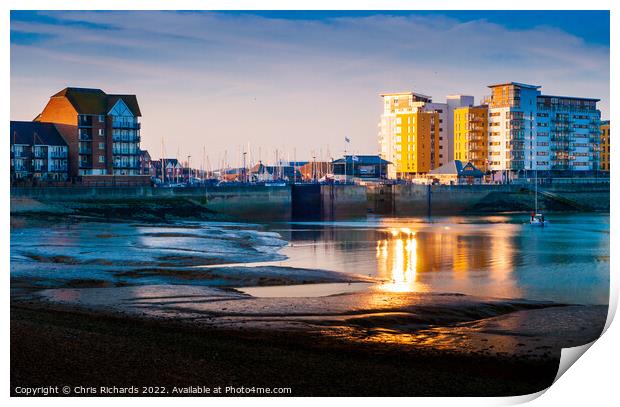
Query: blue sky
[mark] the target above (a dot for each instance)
(295, 81)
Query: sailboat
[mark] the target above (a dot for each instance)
(537, 219)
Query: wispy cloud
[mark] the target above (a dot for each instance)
(223, 80)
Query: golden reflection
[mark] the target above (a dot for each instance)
(477, 260)
(397, 259)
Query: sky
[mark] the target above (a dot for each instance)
(215, 84)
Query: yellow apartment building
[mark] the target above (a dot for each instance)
(409, 135)
(471, 135)
(415, 139)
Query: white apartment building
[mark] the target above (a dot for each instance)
(529, 131)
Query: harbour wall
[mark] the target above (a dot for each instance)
(306, 201)
(239, 202)
(416, 200)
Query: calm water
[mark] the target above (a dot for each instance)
(498, 256)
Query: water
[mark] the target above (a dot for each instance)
(497, 256)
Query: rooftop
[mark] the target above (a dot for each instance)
(518, 84)
(456, 167)
(96, 101)
(362, 159)
(417, 95)
(36, 133)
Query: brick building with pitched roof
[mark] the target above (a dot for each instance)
(106, 136)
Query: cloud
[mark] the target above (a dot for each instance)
(223, 80)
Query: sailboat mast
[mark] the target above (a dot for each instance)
(536, 192)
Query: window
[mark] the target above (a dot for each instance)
(101, 159)
(101, 118)
(101, 132)
(101, 146)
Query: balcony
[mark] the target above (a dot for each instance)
(55, 154)
(474, 137)
(120, 151)
(563, 166)
(126, 125)
(475, 146)
(517, 165)
(129, 139)
(85, 121)
(85, 150)
(21, 155)
(126, 165)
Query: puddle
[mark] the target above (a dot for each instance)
(305, 290)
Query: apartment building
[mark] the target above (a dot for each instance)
(38, 152)
(530, 131)
(512, 127)
(471, 135)
(416, 134)
(146, 165)
(453, 102)
(107, 140)
(568, 134)
(604, 150)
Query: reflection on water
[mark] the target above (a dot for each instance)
(497, 256)
(402, 252)
(397, 260)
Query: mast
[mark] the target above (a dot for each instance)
(536, 191)
(163, 178)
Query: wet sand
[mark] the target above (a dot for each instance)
(372, 344)
(66, 346)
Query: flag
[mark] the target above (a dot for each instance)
(346, 139)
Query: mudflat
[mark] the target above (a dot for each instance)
(66, 345)
(64, 348)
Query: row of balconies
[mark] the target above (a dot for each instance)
(126, 165)
(126, 125)
(124, 151)
(128, 138)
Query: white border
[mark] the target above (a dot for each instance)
(591, 381)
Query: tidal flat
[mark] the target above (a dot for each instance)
(482, 303)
